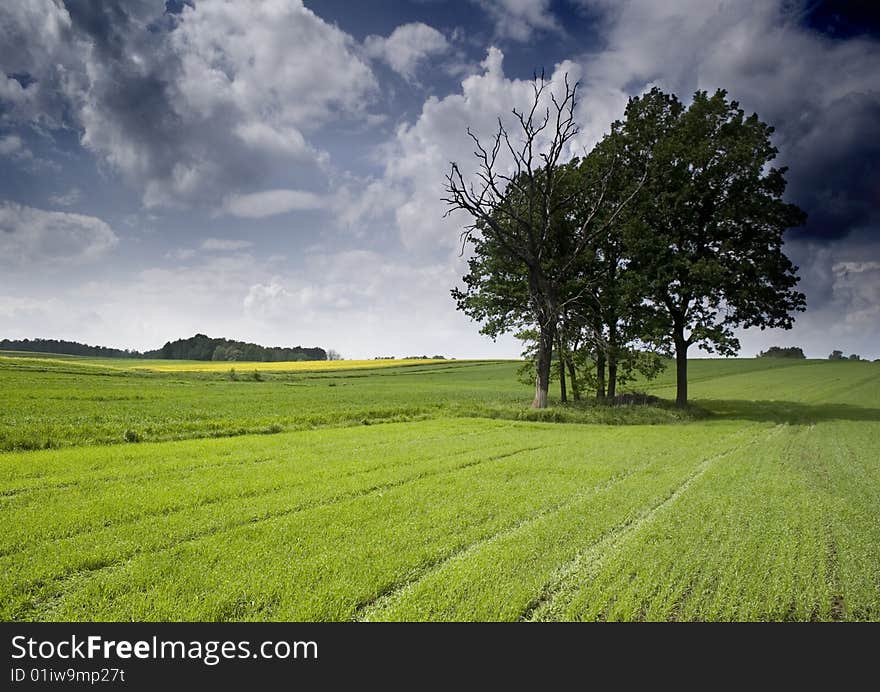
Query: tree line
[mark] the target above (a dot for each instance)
(838, 355)
(666, 235)
(202, 347)
(198, 347)
(67, 348)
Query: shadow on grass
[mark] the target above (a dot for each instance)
(791, 412)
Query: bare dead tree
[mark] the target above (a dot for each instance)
(516, 199)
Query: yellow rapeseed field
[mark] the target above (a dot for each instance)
(286, 366)
(20, 359)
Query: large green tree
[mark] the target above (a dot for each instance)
(706, 232)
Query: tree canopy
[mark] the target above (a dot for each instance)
(667, 234)
(527, 241)
(782, 352)
(707, 230)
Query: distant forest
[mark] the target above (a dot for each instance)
(198, 347)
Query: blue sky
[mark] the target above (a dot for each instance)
(272, 170)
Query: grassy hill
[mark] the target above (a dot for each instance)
(424, 491)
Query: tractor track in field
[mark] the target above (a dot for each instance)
(396, 589)
(220, 499)
(376, 604)
(231, 526)
(15, 493)
(617, 534)
(179, 472)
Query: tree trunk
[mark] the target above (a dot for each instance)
(681, 368)
(542, 378)
(563, 395)
(560, 351)
(600, 377)
(572, 376)
(612, 377)
(612, 357)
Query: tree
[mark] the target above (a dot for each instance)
(706, 236)
(854, 356)
(333, 355)
(524, 252)
(836, 355)
(607, 307)
(780, 352)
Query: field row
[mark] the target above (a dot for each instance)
(69, 404)
(450, 519)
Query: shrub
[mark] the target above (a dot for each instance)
(780, 352)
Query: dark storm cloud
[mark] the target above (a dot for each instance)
(105, 22)
(835, 168)
(176, 6)
(843, 18)
(810, 69)
(134, 95)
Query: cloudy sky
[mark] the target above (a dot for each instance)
(271, 170)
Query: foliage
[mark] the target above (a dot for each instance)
(527, 244)
(72, 348)
(201, 347)
(198, 347)
(782, 352)
(667, 234)
(706, 231)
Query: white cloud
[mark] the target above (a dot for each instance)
(519, 19)
(35, 40)
(34, 237)
(266, 300)
(418, 158)
(359, 203)
(225, 245)
(358, 301)
(10, 145)
(180, 254)
(240, 54)
(259, 205)
(196, 107)
(407, 47)
(270, 139)
(66, 199)
(374, 297)
(843, 268)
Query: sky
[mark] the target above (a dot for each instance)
(272, 170)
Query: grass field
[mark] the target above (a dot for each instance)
(430, 491)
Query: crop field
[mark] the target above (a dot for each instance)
(429, 491)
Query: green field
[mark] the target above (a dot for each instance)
(429, 490)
